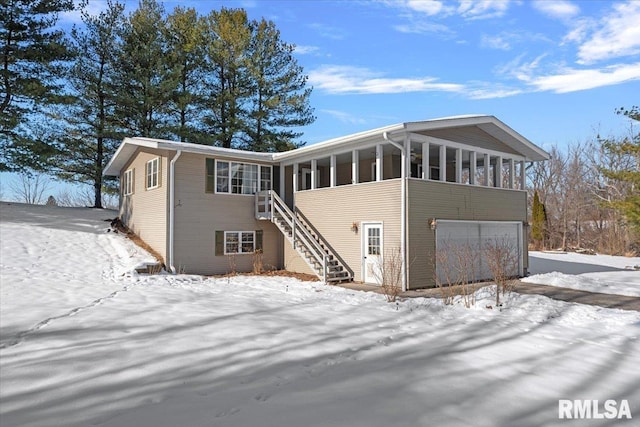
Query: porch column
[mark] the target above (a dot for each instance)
(425, 160)
(472, 167)
(379, 157)
(282, 179)
(332, 171)
(355, 166)
(498, 170)
(443, 163)
(314, 173)
(487, 169)
(405, 170)
(295, 177)
(459, 165)
(523, 176)
(512, 173)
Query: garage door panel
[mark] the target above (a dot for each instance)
(476, 239)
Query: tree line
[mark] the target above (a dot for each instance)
(68, 98)
(587, 197)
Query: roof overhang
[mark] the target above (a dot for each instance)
(489, 124)
(129, 146)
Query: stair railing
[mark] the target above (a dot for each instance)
(299, 233)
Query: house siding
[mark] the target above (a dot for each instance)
(432, 199)
(198, 215)
(145, 211)
(332, 211)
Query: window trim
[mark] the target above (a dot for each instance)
(229, 177)
(127, 185)
(239, 233)
(149, 173)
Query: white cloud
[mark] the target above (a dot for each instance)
(483, 9)
(429, 7)
(345, 117)
(93, 8)
(328, 32)
(560, 9)
(422, 27)
(618, 35)
(499, 42)
(523, 71)
(305, 50)
(573, 80)
(355, 80)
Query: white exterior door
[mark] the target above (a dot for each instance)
(372, 250)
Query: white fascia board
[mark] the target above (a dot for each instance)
(530, 150)
(124, 152)
(335, 146)
(490, 124)
(129, 145)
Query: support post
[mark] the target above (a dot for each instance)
(425, 160)
(472, 167)
(379, 158)
(355, 167)
(512, 173)
(443, 163)
(314, 173)
(487, 169)
(459, 165)
(498, 174)
(332, 171)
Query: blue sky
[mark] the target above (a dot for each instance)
(553, 70)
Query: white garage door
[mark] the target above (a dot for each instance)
(469, 244)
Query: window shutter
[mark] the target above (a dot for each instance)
(159, 171)
(219, 242)
(133, 180)
(210, 177)
(259, 240)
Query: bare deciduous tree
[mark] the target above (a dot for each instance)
(31, 188)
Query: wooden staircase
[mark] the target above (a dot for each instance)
(309, 244)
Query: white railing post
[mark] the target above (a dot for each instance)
(271, 207)
(324, 267)
(293, 229)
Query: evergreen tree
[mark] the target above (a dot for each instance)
(90, 134)
(538, 222)
(185, 41)
(629, 204)
(146, 75)
(227, 87)
(279, 96)
(31, 65)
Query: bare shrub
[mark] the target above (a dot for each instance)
(389, 273)
(233, 270)
(456, 273)
(502, 261)
(258, 266)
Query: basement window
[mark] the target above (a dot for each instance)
(239, 242)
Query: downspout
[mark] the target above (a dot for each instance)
(403, 209)
(172, 207)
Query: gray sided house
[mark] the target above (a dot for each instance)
(338, 209)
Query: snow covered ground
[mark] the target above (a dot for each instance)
(595, 273)
(86, 342)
